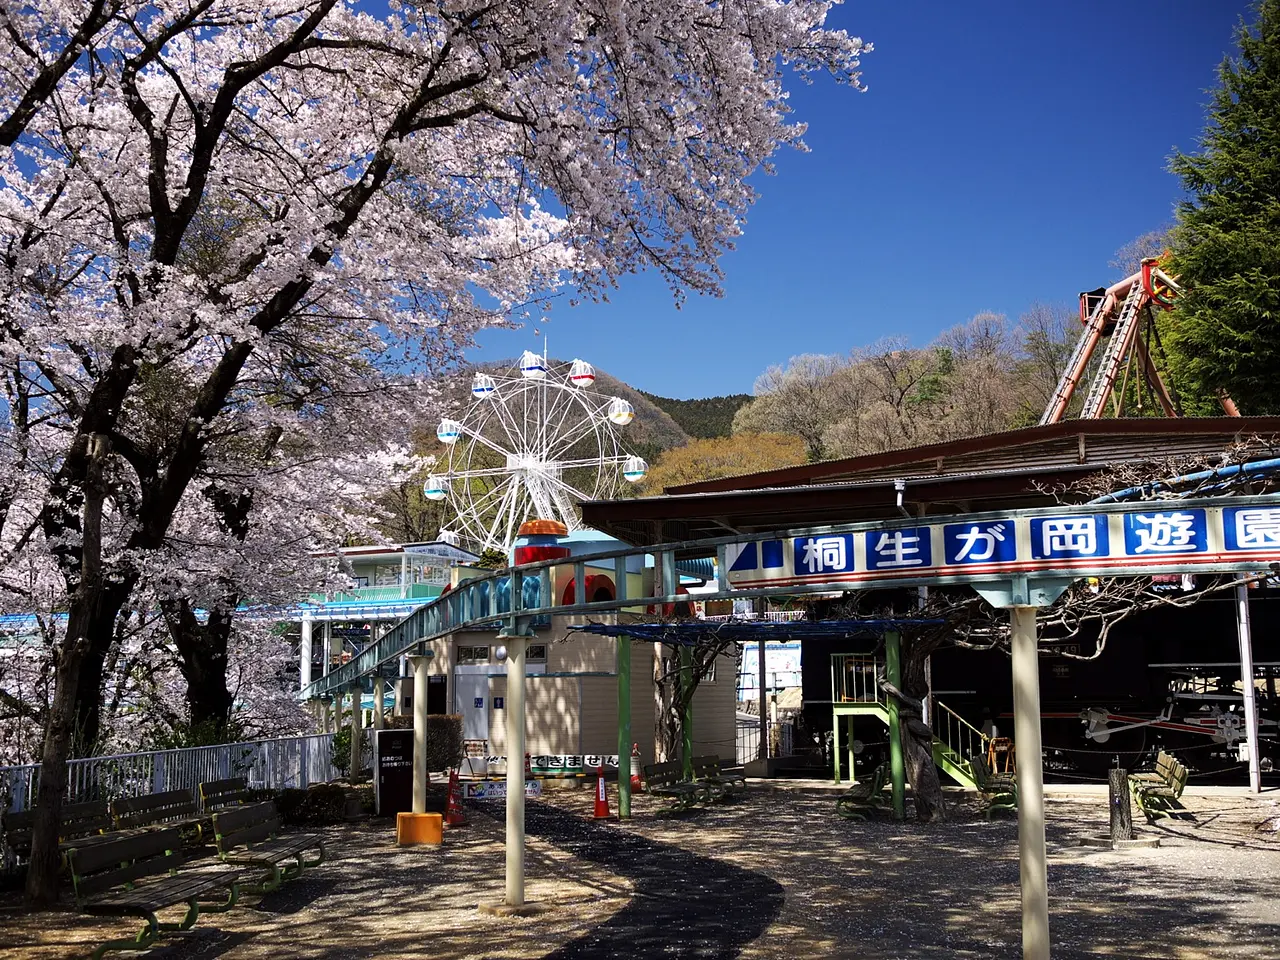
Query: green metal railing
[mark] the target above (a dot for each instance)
(957, 734)
(855, 678)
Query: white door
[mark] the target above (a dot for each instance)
(471, 699)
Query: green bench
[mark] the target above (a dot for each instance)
(137, 875)
(76, 821)
(722, 785)
(998, 790)
(864, 796)
(217, 794)
(667, 780)
(1158, 792)
(172, 808)
(250, 836)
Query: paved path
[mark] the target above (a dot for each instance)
(683, 905)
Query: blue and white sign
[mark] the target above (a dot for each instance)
(1173, 531)
(1251, 528)
(1133, 539)
(988, 542)
(900, 549)
(832, 554)
(1068, 538)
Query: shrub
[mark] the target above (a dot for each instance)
(321, 803)
(444, 741)
(444, 738)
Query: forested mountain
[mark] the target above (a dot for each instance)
(704, 418)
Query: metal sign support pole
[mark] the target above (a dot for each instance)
(624, 728)
(516, 647)
(897, 769)
(1032, 866)
(761, 649)
(1243, 629)
(419, 665)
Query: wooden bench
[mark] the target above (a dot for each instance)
(106, 879)
(999, 790)
(667, 780)
(1158, 792)
(217, 794)
(723, 785)
(76, 821)
(249, 836)
(864, 796)
(173, 808)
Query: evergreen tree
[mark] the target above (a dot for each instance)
(1226, 329)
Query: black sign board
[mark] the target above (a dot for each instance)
(393, 772)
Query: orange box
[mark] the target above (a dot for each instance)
(414, 828)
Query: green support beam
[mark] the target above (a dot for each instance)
(897, 770)
(624, 728)
(686, 722)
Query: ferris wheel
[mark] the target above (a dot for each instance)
(535, 441)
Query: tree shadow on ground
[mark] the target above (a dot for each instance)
(882, 889)
(683, 904)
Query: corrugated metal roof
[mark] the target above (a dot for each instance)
(1068, 442)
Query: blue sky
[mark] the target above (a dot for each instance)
(1001, 155)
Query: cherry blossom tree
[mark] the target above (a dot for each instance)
(208, 202)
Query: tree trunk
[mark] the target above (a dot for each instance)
(83, 614)
(100, 631)
(917, 738)
(202, 653)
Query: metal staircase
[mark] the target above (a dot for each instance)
(956, 742)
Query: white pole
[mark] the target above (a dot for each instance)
(404, 576)
(419, 665)
(1246, 682)
(379, 702)
(304, 654)
(515, 770)
(357, 731)
(328, 645)
(1026, 731)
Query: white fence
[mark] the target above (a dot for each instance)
(266, 764)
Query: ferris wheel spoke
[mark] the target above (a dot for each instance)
(485, 501)
(508, 423)
(579, 432)
(479, 472)
(484, 441)
(595, 461)
(568, 488)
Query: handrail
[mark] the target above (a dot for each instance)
(958, 734)
(864, 679)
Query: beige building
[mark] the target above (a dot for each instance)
(571, 695)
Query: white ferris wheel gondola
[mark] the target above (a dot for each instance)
(532, 366)
(621, 412)
(634, 469)
(449, 431)
(582, 373)
(436, 487)
(534, 445)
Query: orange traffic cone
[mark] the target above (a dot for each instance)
(602, 797)
(636, 785)
(454, 817)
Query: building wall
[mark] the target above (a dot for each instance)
(572, 699)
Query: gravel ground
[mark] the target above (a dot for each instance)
(775, 874)
(370, 899)
(880, 889)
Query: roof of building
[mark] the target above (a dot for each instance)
(1029, 467)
